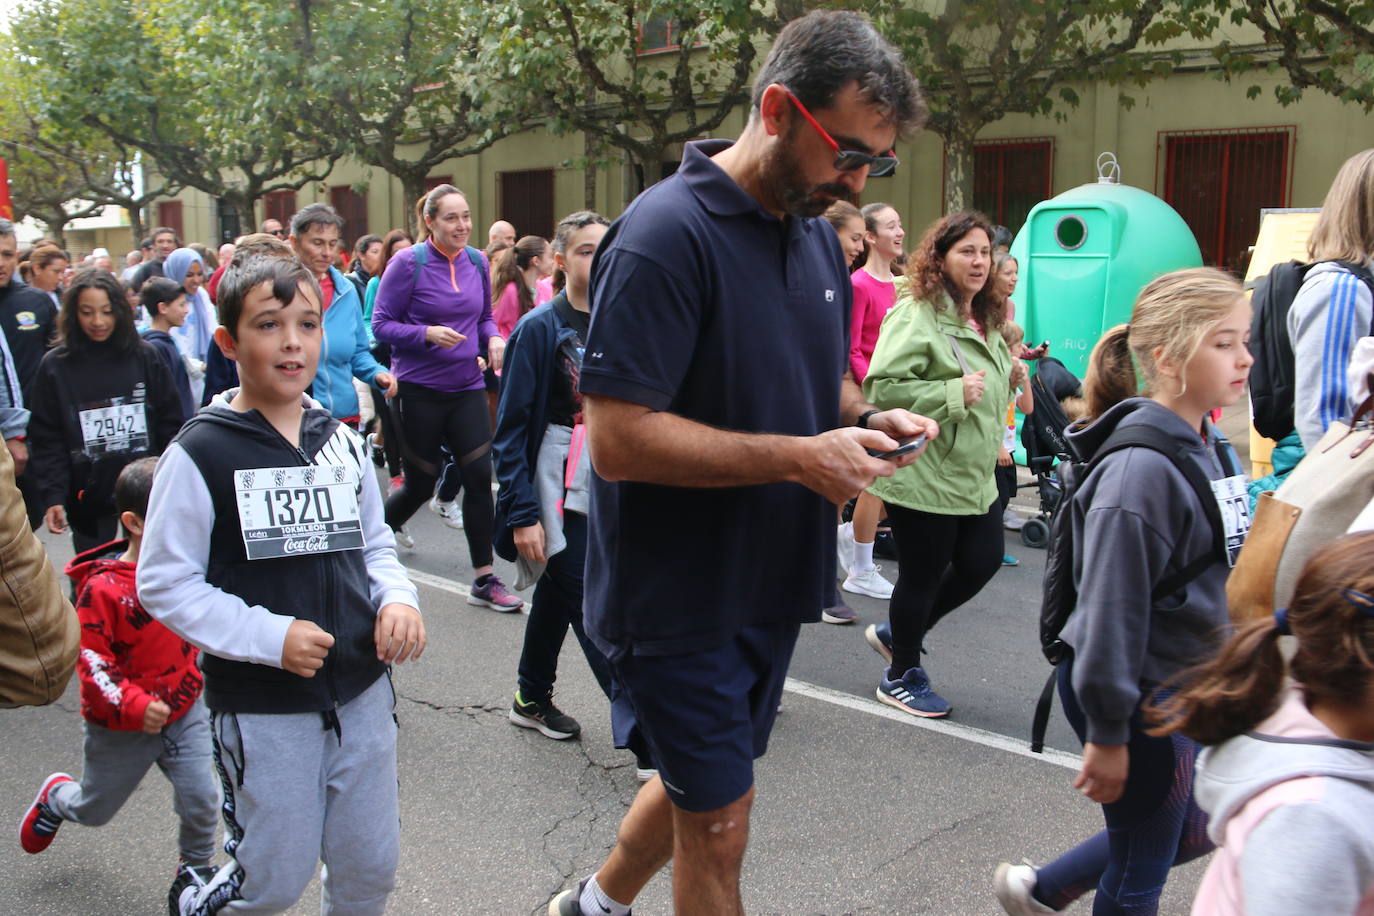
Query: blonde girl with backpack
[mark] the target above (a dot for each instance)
(1288, 775)
(1137, 521)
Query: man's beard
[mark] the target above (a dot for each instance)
(783, 171)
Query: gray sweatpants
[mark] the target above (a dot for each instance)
(297, 792)
(116, 762)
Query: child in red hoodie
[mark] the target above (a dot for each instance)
(140, 697)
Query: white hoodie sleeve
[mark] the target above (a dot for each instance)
(172, 565)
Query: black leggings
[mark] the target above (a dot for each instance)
(1155, 825)
(386, 423)
(430, 419)
(943, 561)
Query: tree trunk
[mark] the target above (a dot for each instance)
(138, 228)
(959, 171)
(242, 202)
(638, 178)
(589, 185)
(412, 189)
(55, 221)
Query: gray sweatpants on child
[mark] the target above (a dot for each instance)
(116, 762)
(296, 792)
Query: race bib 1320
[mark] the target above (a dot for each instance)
(297, 510)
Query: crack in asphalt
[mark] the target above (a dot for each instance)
(948, 828)
(471, 710)
(569, 840)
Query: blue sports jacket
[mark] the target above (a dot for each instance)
(344, 352)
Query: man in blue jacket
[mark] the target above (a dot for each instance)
(344, 355)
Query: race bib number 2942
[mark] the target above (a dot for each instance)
(297, 510)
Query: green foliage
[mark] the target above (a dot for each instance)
(980, 60)
(578, 64)
(416, 102)
(1327, 45)
(179, 82)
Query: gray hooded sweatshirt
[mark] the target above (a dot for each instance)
(1135, 521)
(1291, 807)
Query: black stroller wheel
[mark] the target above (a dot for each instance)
(1035, 533)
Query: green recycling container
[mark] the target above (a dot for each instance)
(1086, 254)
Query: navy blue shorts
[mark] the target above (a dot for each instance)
(706, 716)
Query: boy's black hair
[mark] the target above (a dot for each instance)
(159, 291)
(285, 276)
(132, 487)
(125, 336)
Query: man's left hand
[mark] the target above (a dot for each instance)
(902, 424)
(387, 382)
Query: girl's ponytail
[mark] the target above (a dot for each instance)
(1111, 374)
(1231, 694)
(1332, 619)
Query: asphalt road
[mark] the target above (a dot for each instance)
(861, 810)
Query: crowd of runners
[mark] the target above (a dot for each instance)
(718, 380)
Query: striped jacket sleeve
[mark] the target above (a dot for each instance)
(1330, 314)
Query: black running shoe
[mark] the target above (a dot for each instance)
(544, 717)
(188, 876)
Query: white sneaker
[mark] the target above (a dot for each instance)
(403, 539)
(1013, 885)
(450, 512)
(844, 547)
(868, 582)
(1011, 521)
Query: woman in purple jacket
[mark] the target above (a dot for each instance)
(434, 308)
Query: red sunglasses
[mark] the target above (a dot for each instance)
(848, 160)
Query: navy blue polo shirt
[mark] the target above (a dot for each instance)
(706, 305)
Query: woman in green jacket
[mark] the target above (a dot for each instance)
(940, 353)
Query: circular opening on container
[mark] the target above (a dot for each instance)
(1071, 232)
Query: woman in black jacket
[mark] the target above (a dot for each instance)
(102, 398)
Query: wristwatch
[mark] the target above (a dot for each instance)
(862, 422)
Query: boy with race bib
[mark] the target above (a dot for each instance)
(267, 549)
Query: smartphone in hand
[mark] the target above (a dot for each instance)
(904, 447)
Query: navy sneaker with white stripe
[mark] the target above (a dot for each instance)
(912, 693)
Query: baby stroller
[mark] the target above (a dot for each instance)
(1042, 436)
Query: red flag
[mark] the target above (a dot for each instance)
(6, 208)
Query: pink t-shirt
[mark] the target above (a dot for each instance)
(873, 299)
(543, 290)
(507, 311)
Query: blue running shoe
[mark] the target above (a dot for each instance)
(911, 693)
(879, 636)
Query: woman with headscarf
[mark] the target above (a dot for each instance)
(187, 267)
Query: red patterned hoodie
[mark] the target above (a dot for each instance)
(127, 658)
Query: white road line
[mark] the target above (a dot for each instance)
(839, 698)
(439, 582)
(943, 726)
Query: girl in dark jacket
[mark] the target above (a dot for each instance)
(542, 465)
(102, 398)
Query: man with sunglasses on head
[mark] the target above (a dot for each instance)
(273, 227)
(723, 430)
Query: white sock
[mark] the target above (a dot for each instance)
(595, 901)
(863, 557)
